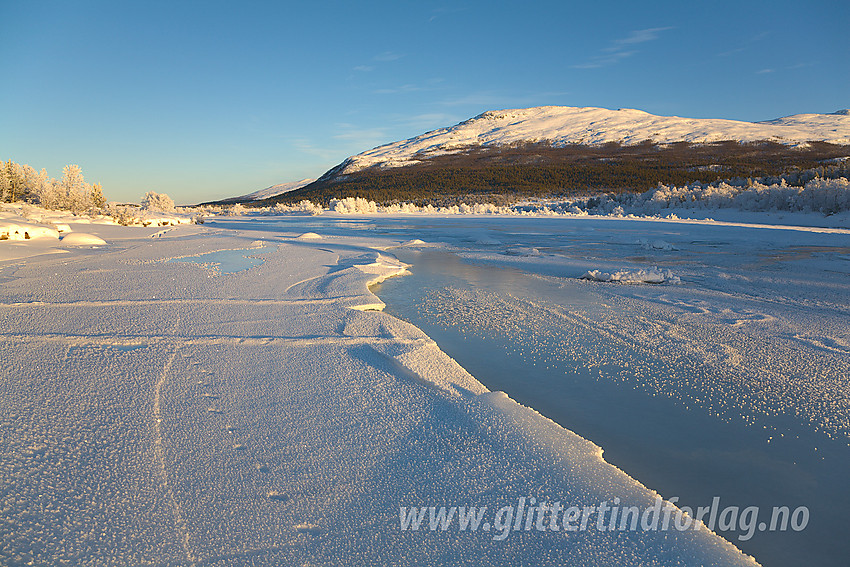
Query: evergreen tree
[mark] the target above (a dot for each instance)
(14, 180)
(5, 183)
(98, 201)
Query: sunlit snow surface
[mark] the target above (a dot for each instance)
(164, 413)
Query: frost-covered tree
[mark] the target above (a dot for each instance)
(14, 181)
(46, 190)
(96, 196)
(77, 193)
(20, 182)
(236, 210)
(5, 183)
(154, 201)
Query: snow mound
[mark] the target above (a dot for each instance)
(414, 242)
(309, 236)
(13, 227)
(25, 231)
(652, 275)
(82, 239)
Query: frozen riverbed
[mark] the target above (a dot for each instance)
(536, 339)
(160, 412)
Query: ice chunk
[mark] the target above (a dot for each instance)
(652, 275)
(656, 244)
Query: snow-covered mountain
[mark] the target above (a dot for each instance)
(272, 191)
(561, 125)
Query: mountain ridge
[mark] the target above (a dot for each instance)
(592, 126)
(270, 192)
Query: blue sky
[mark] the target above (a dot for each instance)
(203, 100)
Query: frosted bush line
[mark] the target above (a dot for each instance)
(826, 196)
(305, 207)
(818, 195)
(71, 193)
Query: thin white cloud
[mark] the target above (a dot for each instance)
(641, 36)
(473, 99)
(494, 101)
(350, 132)
(440, 12)
(309, 148)
(604, 60)
(429, 121)
(385, 57)
(730, 52)
(399, 89)
(764, 71)
(388, 56)
(758, 37)
(621, 48)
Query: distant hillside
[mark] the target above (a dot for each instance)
(560, 126)
(269, 192)
(547, 151)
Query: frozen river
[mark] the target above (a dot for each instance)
(510, 341)
(730, 384)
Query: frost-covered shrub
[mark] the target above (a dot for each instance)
(125, 215)
(236, 210)
(397, 208)
(304, 207)
(827, 195)
(353, 205)
(153, 201)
